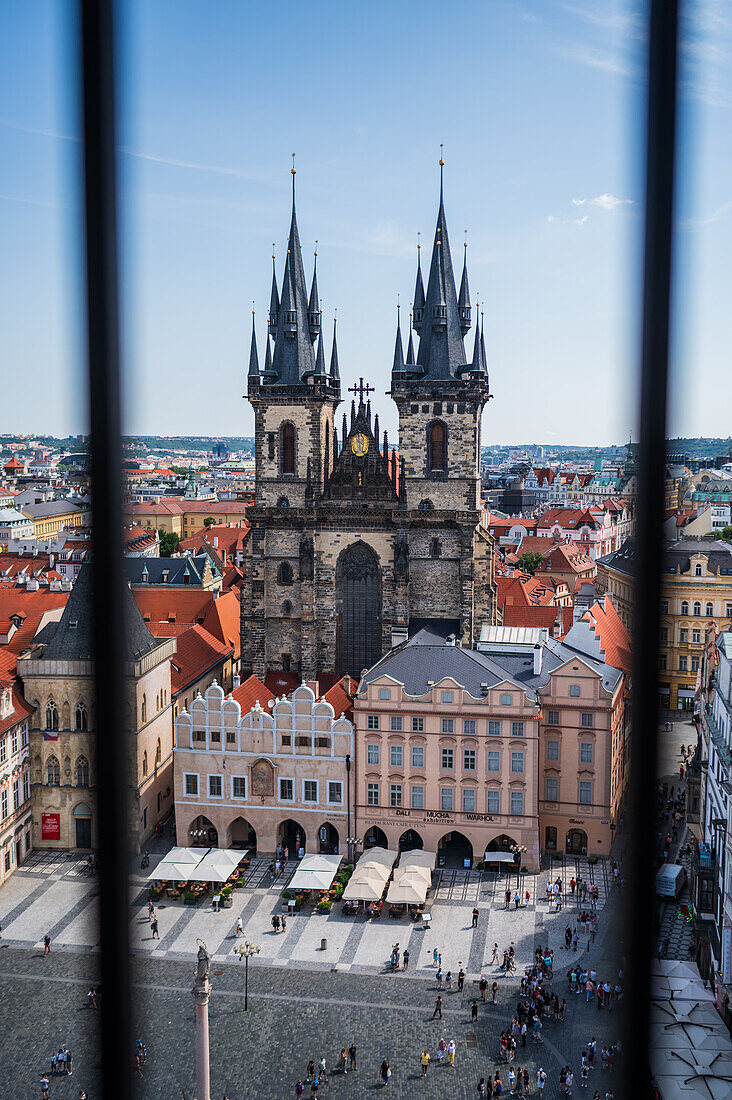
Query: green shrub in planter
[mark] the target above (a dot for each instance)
(298, 903)
(286, 895)
(324, 905)
(480, 865)
(237, 884)
(339, 888)
(523, 871)
(226, 892)
(189, 896)
(592, 859)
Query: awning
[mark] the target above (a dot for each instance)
(197, 864)
(178, 864)
(418, 858)
(379, 855)
(364, 889)
(218, 864)
(499, 857)
(315, 872)
(407, 892)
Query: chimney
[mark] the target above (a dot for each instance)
(237, 679)
(538, 656)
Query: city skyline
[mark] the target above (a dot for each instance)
(541, 118)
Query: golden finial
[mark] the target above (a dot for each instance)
(316, 248)
(252, 308)
(419, 241)
(465, 242)
(273, 250)
(293, 169)
(442, 163)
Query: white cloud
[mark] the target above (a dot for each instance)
(580, 221)
(603, 202)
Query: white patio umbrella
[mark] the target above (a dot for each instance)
(363, 890)
(418, 858)
(407, 893)
(381, 855)
(418, 874)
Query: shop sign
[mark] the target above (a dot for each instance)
(438, 815)
(576, 821)
(478, 817)
(51, 826)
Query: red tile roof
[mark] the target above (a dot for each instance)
(31, 607)
(614, 637)
(21, 708)
(181, 605)
(530, 615)
(196, 654)
(223, 621)
(251, 691)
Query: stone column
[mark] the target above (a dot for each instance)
(201, 993)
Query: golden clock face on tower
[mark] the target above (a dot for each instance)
(360, 444)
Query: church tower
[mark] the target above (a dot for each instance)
(294, 396)
(441, 395)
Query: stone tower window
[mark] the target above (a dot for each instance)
(52, 716)
(437, 447)
(81, 719)
(82, 772)
(287, 448)
(435, 548)
(53, 771)
(284, 573)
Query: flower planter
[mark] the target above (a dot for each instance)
(226, 903)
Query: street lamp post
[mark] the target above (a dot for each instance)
(353, 843)
(245, 951)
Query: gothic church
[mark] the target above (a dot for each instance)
(355, 545)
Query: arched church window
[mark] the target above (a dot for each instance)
(53, 769)
(144, 708)
(81, 719)
(425, 505)
(283, 504)
(435, 548)
(437, 447)
(144, 763)
(52, 716)
(287, 448)
(287, 608)
(284, 573)
(82, 772)
(158, 754)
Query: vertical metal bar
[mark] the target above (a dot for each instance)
(107, 611)
(639, 898)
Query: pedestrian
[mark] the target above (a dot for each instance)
(275, 922)
(69, 1062)
(526, 1081)
(523, 1034)
(343, 1061)
(600, 995)
(310, 1071)
(448, 981)
(461, 979)
(425, 1062)
(405, 960)
(516, 900)
(451, 1048)
(495, 953)
(434, 957)
(483, 987)
(283, 922)
(474, 1011)
(481, 1087)
(314, 1086)
(527, 897)
(385, 1072)
(438, 975)
(154, 928)
(494, 992)
(323, 1071)
(541, 1079)
(441, 1048)
(352, 1055)
(44, 1086)
(299, 1089)
(476, 914)
(508, 898)
(239, 927)
(512, 1080)
(438, 1007)
(46, 945)
(150, 910)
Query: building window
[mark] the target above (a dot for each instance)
(395, 794)
(494, 727)
(287, 448)
(82, 772)
(231, 738)
(517, 729)
(694, 664)
(588, 720)
(24, 737)
(664, 633)
(696, 636)
(396, 756)
(384, 693)
(493, 802)
(448, 725)
(284, 573)
(436, 447)
(683, 635)
(310, 790)
(469, 760)
(684, 607)
(143, 708)
(16, 795)
(682, 664)
(517, 803)
(417, 796)
(3, 749)
(14, 742)
(585, 792)
(335, 792)
(586, 752)
(552, 717)
(574, 691)
(395, 723)
(506, 700)
(144, 763)
(372, 721)
(417, 756)
(551, 789)
(447, 796)
(191, 784)
(7, 859)
(418, 725)
(372, 755)
(728, 611)
(469, 727)
(664, 607)
(447, 758)
(447, 697)
(494, 760)
(709, 610)
(697, 570)
(199, 735)
(517, 762)
(215, 786)
(53, 770)
(26, 796)
(81, 719)
(662, 661)
(4, 805)
(372, 794)
(52, 716)
(287, 792)
(469, 800)
(697, 607)
(239, 786)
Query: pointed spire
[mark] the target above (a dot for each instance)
(476, 363)
(398, 365)
(353, 411)
(268, 359)
(335, 375)
(314, 312)
(320, 371)
(376, 429)
(442, 167)
(385, 451)
(274, 300)
(293, 359)
(418, 289)
(483, 356)
(410, 345)
(464, 296)
(253, 357)
(344, 433)
(293, 170)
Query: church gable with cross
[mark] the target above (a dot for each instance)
(354, 544)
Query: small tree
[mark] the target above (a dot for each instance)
(168, 543)
(726, 533)
(209, 522)
(530, 561)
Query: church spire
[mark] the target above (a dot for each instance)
(314, 312)
(335, 376)
(274, 300)
(320, 371)
(398, 365)
(441, 350)
(267, 360)
(410, 345)
(253, 357)
(293, 357)
(476, 365)
(483, 356)
(418, 290)
(464, 296)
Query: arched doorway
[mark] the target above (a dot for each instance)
(409, 840)
(374, 837)
(82, 823)
(358, 606)
(576, 842)
(502, 843)
(328, 838)
(454, 850)
(291, 835)
(203, 833)
(243, 835)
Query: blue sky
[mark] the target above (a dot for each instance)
(540, 107)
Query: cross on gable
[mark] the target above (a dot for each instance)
(361, 389)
